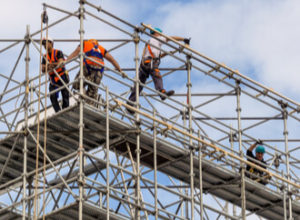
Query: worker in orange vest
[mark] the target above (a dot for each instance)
(93, 71)
(54, 60)
(150, 63)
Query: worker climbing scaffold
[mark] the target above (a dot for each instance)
(258, 159)
(150, 65)
(93, 71)
(52, 61)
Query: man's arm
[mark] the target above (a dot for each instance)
(185, 40)
(177, 38)
(110, 58)
(251, 148)
(59, 61)
(74, 54)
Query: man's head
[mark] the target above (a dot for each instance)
(259, 151)
(157, 29)
(47, 43)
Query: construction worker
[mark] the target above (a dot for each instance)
(258, 159)
(93, 71)
(54, 60)
(150, 63)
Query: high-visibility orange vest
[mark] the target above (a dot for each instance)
(92, 49)
(61, 71)
(150, 51)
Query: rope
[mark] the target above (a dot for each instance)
(45, 20)
(38, 133)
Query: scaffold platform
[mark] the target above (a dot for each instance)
(171, 160)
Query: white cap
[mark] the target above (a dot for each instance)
(49, 39)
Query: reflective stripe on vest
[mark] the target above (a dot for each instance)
(60, 71)
(93, 50)
(150, 51)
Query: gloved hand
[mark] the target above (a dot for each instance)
(124, 75)
(259, 142)
(187, 41)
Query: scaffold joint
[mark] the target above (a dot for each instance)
(188, 65)
(238, 81)
(81, 14)
(232, 137)
(138, 151)
(188, 57)
(138, 123)
(285, 133)
(138, 29)
(189, 84)
(138, 131)
(282, 104)
(239, 109)
(26, 133)
(136, 38)
(192, 148)
(80, 179)
(81, 125)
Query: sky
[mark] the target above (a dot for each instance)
(259, 38)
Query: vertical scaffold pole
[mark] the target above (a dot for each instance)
(107, 154)
(155, 165)
(136, 39)
(81, 125)
(200, 178)
(189, 103)
(284, 204)
(232, 148)
(287, 162)
(184, 205)
(27, 59)
(238, 110)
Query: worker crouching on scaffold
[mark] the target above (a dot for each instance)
(54, 60)
(93, 71)
(150, 65)
(258, 159)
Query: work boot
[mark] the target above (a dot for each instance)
(129, 110)
(168, 93)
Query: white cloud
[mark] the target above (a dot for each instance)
(259, 36)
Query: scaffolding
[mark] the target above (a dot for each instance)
(182, 158)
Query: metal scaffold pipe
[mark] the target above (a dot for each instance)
(200, 176)
(189, 103)
(107, 155)
(155, 166)
(287, 160)
(242, 165)
(27, 59)
(81, 125)
(136, 40)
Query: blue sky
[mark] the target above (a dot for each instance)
(259, 38)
